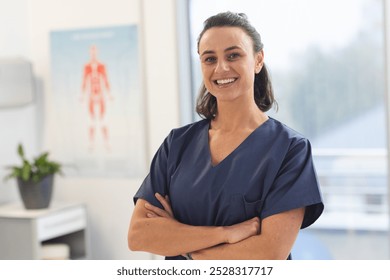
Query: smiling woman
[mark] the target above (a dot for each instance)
(237, 184)
(228, 62)
(321, 73)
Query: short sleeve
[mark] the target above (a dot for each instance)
(157, 179)
(296, 185)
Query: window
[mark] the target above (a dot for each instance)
(326, 62)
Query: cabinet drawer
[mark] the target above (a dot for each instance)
(61, 223)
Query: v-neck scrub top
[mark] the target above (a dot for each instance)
(270, 172)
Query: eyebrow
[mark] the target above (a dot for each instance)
(226, 50)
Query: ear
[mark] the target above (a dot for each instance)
(259, 61)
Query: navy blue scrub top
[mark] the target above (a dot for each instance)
(271, 171)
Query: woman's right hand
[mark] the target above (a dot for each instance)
(238, 232)
(234, 233)
(154, 211)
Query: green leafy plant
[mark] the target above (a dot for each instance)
(34, 170)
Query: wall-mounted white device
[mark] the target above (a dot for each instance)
(16, 82)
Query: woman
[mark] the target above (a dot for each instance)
(237, 184)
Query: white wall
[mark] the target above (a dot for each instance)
(18, 124)
(109, 201)
(14, 28)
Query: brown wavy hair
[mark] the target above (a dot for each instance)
(206, 105)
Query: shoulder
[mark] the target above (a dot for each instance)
(290, 139)
(180, 138)
(189, 130)
(282, 130)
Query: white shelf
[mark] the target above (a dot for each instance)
(24, 231)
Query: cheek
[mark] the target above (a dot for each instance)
(207, 85)
(206, 75)
(251, 71)
(205, 71)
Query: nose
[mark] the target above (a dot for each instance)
(222, 66)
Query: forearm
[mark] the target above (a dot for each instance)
(251, 248)
(275, 241)
(168, 237)
(155, 230)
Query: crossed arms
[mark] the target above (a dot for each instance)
(157, 231)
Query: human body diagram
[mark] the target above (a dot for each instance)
(95, 85)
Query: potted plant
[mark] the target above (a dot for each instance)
(35, 179)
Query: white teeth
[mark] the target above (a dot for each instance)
(225, 81)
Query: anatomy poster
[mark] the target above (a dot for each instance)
(97, 103)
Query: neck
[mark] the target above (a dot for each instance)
(238, 115)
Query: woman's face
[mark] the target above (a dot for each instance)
(229, 63)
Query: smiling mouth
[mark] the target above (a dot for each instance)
(225, 81)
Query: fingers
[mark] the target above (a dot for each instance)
(253, 226)
(151, 215)
(165, 203)
(243, 230)
(257, 224)
(157, 212)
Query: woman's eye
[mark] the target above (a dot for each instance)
(233, 56)
(210, 59)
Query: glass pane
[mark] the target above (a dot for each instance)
(326, 63)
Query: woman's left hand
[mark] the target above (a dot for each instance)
(154, 211)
